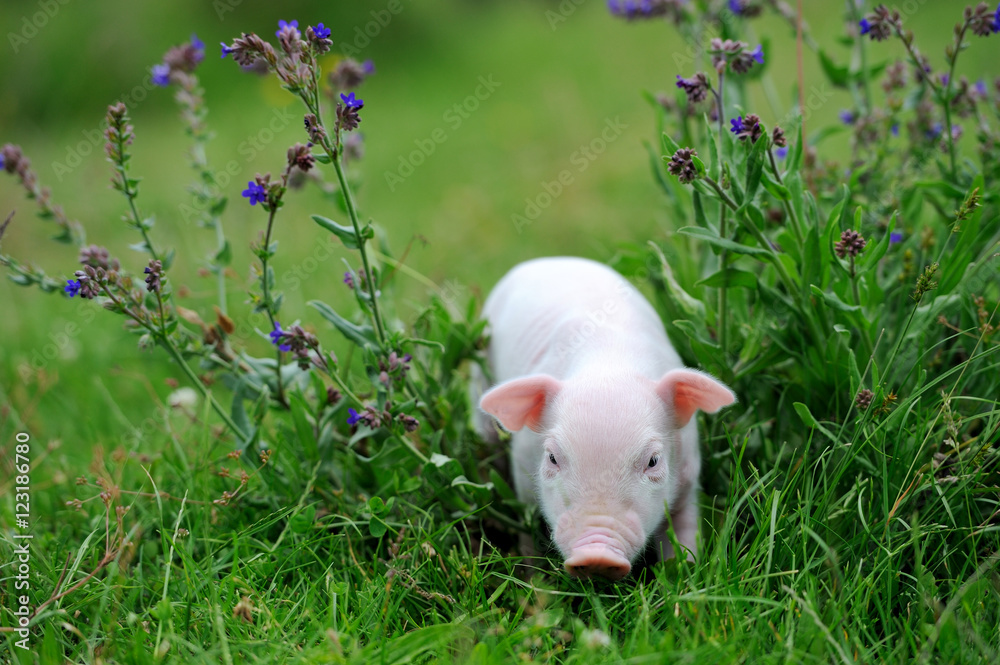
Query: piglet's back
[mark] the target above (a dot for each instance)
(561, 315)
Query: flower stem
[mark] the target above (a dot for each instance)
(789, 208)
(220, 274)
(265, 281)
(172, 350)
(946, 101)
(335, 158)
(165, 342)
(857, 301)
(724, 254)
(353, 214)
(775, 260)
(131, 195)
(942, 95)
(866, 93)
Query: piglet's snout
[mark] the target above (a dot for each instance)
(597, 554)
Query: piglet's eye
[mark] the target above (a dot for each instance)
(653, 461)
(552, 459)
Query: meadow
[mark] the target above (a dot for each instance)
(192, 501)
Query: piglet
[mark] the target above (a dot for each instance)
(601, 412)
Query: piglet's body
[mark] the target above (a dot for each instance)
(601, 410)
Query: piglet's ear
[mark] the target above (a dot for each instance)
(687, 391)
(520, 402)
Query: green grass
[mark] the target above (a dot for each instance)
(831, 533)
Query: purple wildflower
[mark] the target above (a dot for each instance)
(349, 279)
(72, 287)
(351, 102)
(643, 9)
(353, 418)
(881, 23)
(255, 192)
(982, 20)
(1, 161)
(285, 24)
(696, 88)
(748, 127)
(682, 165)
(758, 54)
(981, 87)
(894, 129)
(369, 67)
(864, 399)
(850, 244)
(895, 236)
(321, 32)
(226, 50)
(197, 43)
(781, 153)
(161, 75)
(276, 335)
(154, 272)
(744, 8)
(847, 117)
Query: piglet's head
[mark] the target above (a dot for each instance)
(609, 461)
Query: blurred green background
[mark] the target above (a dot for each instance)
(565, 69)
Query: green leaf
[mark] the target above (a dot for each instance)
(363, 336)
(462, 481)
(669, 144)
(322, 158)
(755, 167)
(699, 209)
(691, 307)
(345, 233)
(776, 189)
(503, 489)
(693, 332)
(218, 207)
(224, 256)
(376, 505)
(713, 169)
(871, 257)
(942, 186)
(658, 173)
(812, 265)
(299, 407)
(238, 413)
(730, 277)
(164, 610)
(832, 300)
(377, 527)
(724, 243)
(839, 76)
(810, 421)
(303, 521)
